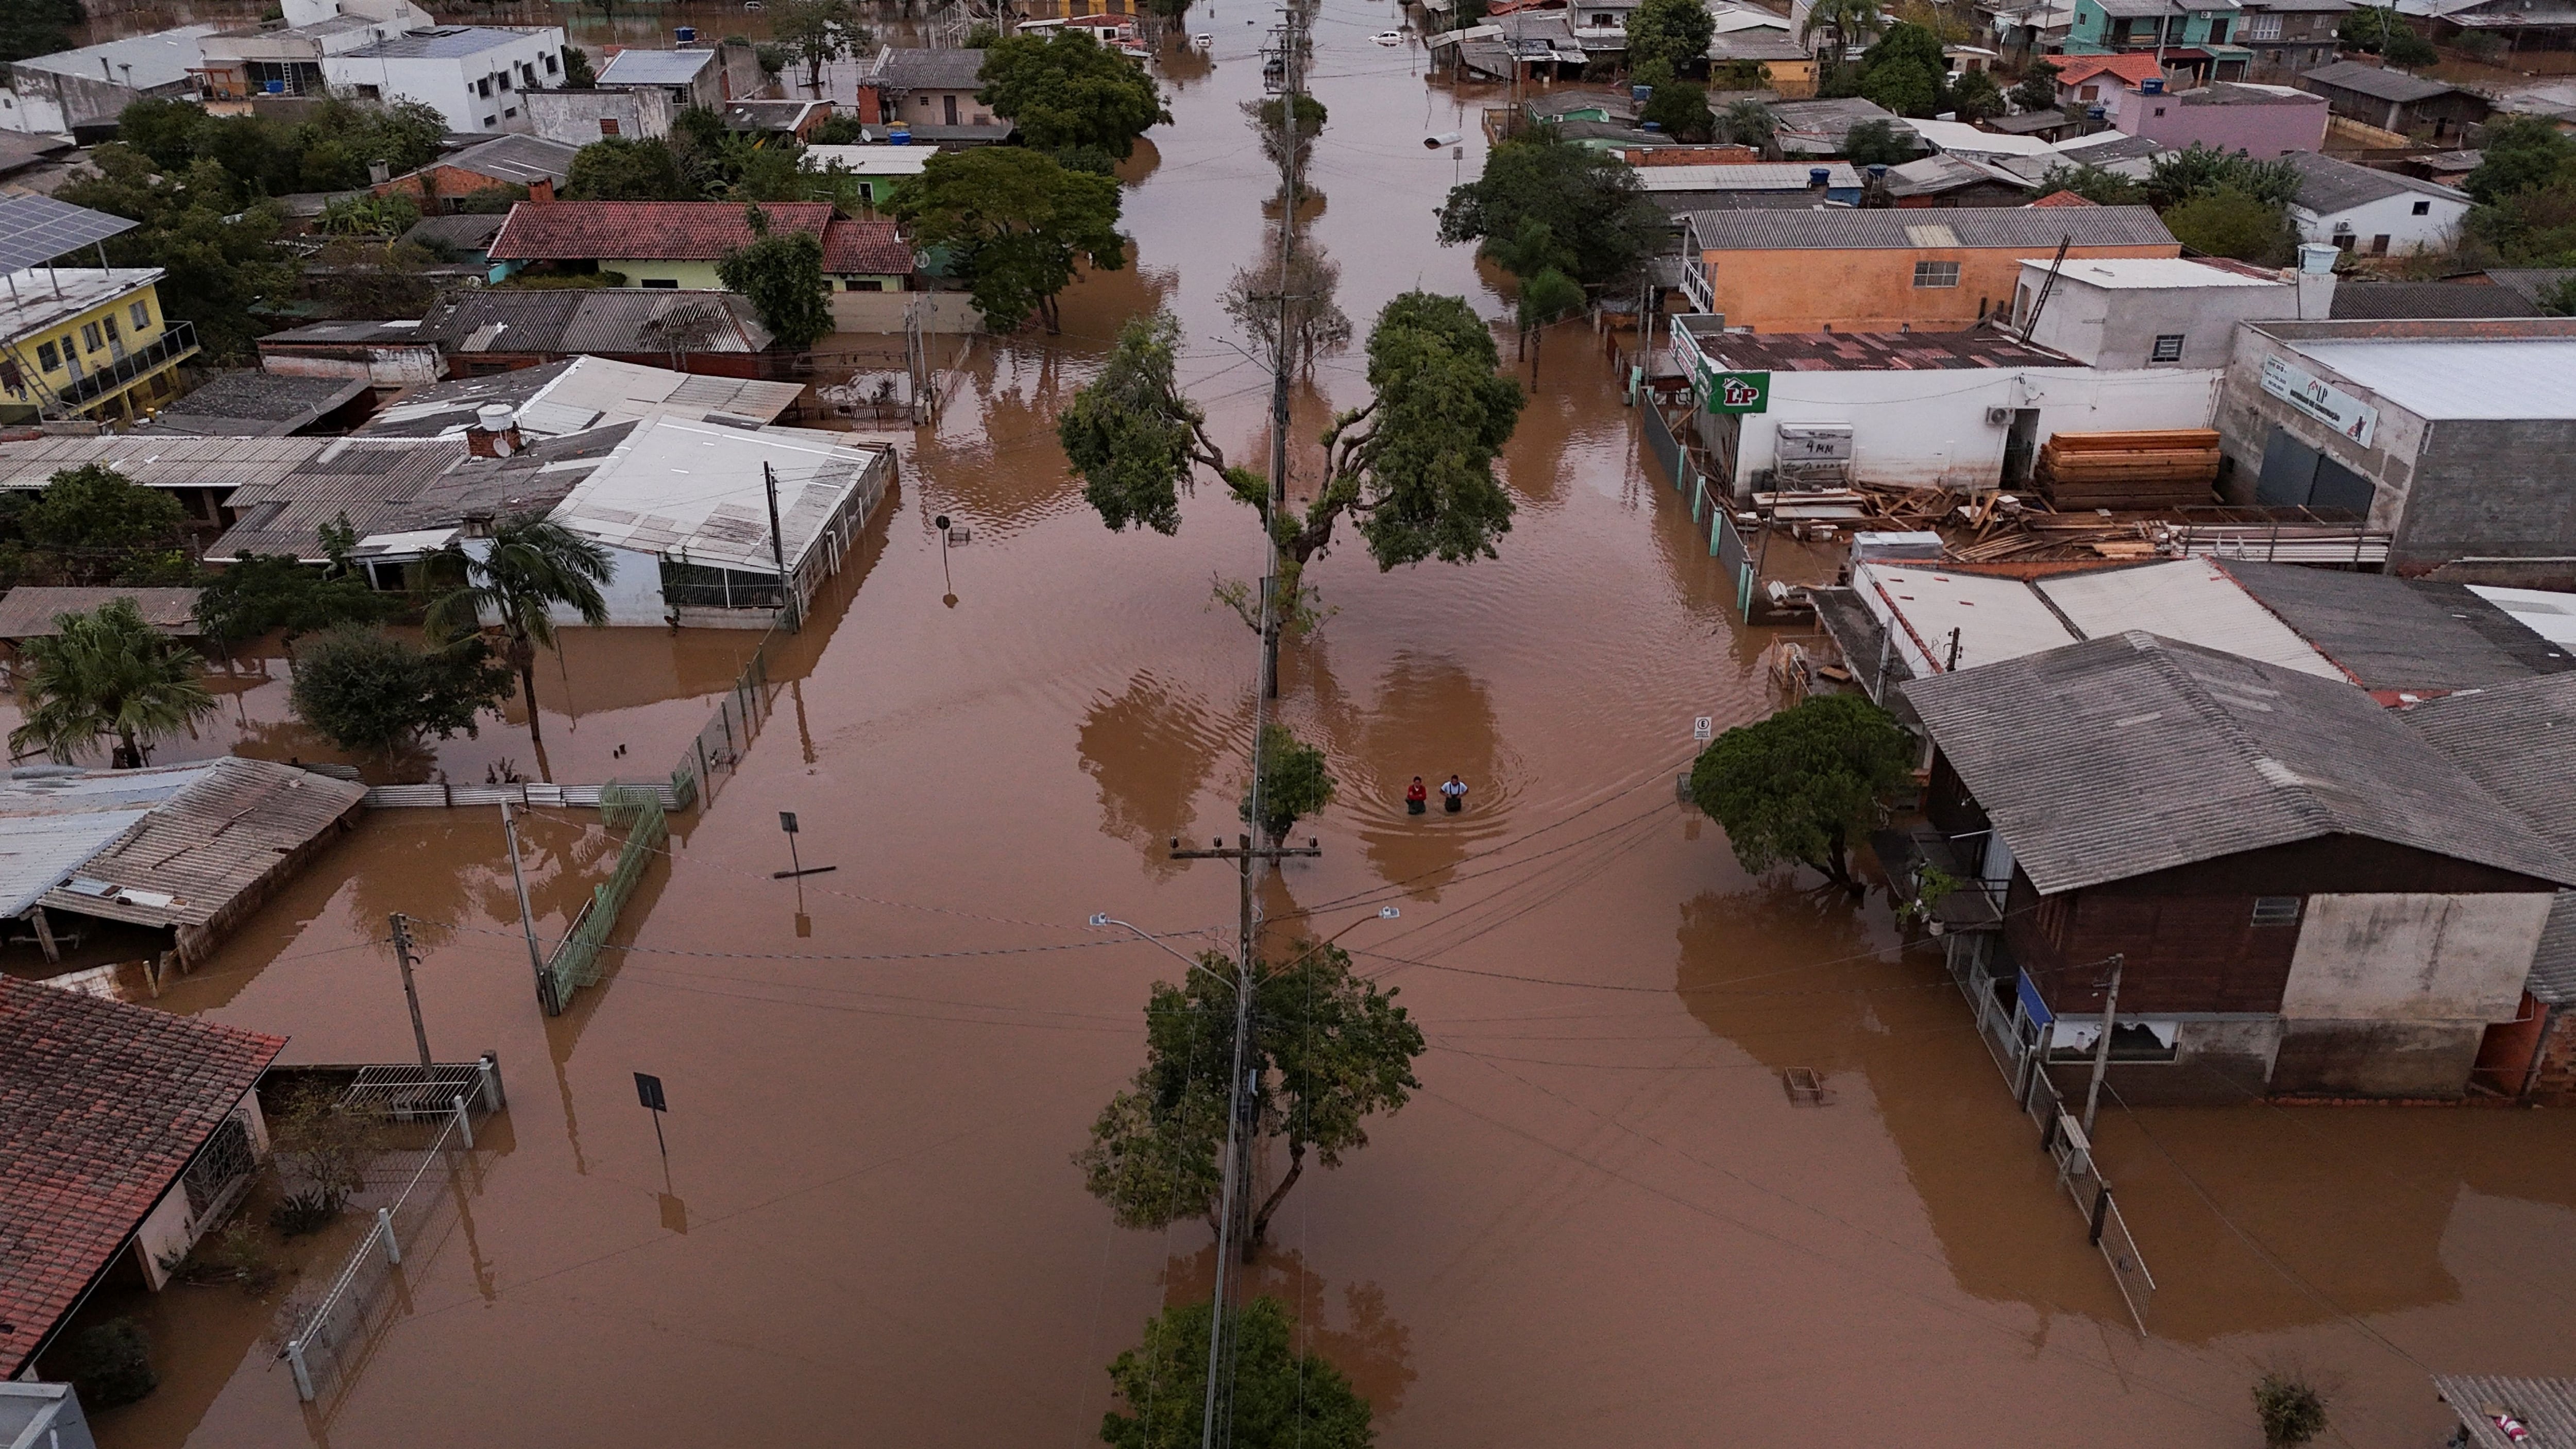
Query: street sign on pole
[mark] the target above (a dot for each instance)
(648, 1090)
(1703, 728)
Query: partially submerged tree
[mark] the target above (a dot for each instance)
(1257, 301)
(1269, 121)
(1019, 223)
(1598, 223)
(818, 32)
(324, 1145)
(1551, 296)
(529, 567)
(1282, 1399)
(2290, 1409)
(367, 691)
(1799, 785)
(266, 593)
(1296, 783)
(1328, 1051)
(107, 674)
(1413, 468)
(782, 275)
(1068, 92)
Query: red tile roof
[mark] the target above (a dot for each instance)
(696, 231)
(2062, 198)
(866, 247)
(101, 1106)
(2133, 67)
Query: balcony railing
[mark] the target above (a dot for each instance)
(177, 340)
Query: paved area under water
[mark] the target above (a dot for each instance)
(1602, 1221)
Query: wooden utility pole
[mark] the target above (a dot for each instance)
(2102, 1044)
(402, 955)
(527, 917)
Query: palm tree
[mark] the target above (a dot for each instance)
(1851, 21)
(1748, 122)
(108, 673)
(532, 566)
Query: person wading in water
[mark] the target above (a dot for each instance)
(1453, 795)
(1415, 797)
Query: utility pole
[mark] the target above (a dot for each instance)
(778, 551)
(1291, 45)
(527, 917)
(402, 954)
(2102, 1044)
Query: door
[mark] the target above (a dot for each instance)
(950, 102)
(115, 342)
(2289, 472)
(2021, 444)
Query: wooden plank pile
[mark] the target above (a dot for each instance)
(2151, 469)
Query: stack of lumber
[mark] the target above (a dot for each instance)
(2154, 469)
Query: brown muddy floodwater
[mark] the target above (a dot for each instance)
(1601, 1222)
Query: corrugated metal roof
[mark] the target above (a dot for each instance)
(1747, 176)
(372, 480)
(695, 491)
(1915, 230)
(219, 835)
(28, 611)
(2519, 739)
(633, 67)
(2375, 82)
(443, 42)
(2399, 634)
(2124, 756)
(254, 404)
(159, 59)
(160, 462)
(40, 852)
(2328, 185)
(2546, 1407)
(2553, 965)
(2498, 378)
(1995, 619)
(2189, 600)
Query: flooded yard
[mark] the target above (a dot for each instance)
(1602, 1220)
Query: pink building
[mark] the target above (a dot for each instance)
(2262, 121)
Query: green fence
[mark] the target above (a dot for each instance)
(576, 963)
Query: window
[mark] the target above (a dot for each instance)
(2218, 32)
(2379, 245)
(141, 314)
(2160, 110)
(2276, 910)
(1936, 274)
(660, 282)
(371, 93)
(2168, 348)
(527, 75)
(483, 87)
(513, 111)
(110, 322)
(2262, 27)
(2423, 208)
(89, 336)
(491, 121)
(551, 67)
(866, 285)
(46, 357)
(504, 79)
(608, 125)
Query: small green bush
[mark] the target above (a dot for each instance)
(2291, 1410)
(112, 1365)
(308, 1211)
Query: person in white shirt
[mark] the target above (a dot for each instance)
(1453, 794)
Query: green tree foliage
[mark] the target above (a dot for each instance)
(839, 130)
(2096, 184)
(2519, 154)
(1019, 224)
(163, 129)
(2037, 88)
(2560, 300)
(1544, 202)
(1844, 23)
(2200, 170)
(2365, 28)
(1747, 122)
(111, 1364)
(270, 593)
(2233, 223)
(1681, 109)
(1976, 97)
(1269, 120)
(818, 32)
(329, 150)
(1551, 296)
(92, 522)
(365, 690)
(530, 566)
(1797, 786)
(1328, 1051)
(1282, 1399)
(1296, 782)
(36, 27)
(1877, 143)
(622, 168)
(1903, 71)
(2290, 1410)
(375, 216)
(217, 249)
(1740, 75)
(1067, 92)
(1672, 33)
(107, 674)
(577, 74)
(782, 274)
(2406, 48)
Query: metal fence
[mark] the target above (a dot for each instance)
(718, 750)
(2060, 1135)
(676, 793)
(428, 1116)
(575, 962)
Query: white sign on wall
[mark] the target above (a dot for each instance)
(2321, 400)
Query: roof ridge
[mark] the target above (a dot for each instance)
(2202, 692)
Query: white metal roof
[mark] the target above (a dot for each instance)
(2464, 377)
(40, 852)
(2190, 600)
(141, 61)
(1960, 136)
(1995, 619)
(2149, 273)
(2551, 616)
(1746, 176)
(637, 67)
(870, 160)
(695, 491)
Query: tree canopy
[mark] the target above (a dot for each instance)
(1681, 109)
(1296, 782)
(92, 521)
(36, 27)
(197, 224)
(1877, 143)
(1067, 92)
(1799, 785)
(2097, 184)
(2232, 223)
(623, 168)
(1545, 202)
(1282, 1399)
(818, 32)
(1976, 97)
(1329, 1050)
(1019, 224)
(2037, 88)
(1903, 72)
(782, 274)
(260, 594)
(365, 690)
(2200, 170)
(107, 674)
(1668, 39)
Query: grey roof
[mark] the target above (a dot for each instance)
(234, 824)
(351, 330)
(2284, 7)
(463, 232)
(2400, 634)
(2530, 282)
(159, 462)
(440, 407)
(518, 160)
(2428, 299)
(2328, 185)
(912, 68)
(1755, 45)
(2553, 965)
(629, 320)
(36, 229)
(159, 59)
(371, 480)
(18, 150)
(2130, 754)
(2518, 738)
(2376, 81)
(768, 115)
(2139, 9)
(1831, 120)
(440, 42)
(28, 611)
(1940, 172)
(1916, 229)
(40, 852)
(2235, 93)
(636, 67)
(2547, 1407)
(253, 404)
(2028, 122)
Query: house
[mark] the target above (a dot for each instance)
(2536, 33)
(2086, 81)
(1787, 70)
(1890, 270)
(878, 168)
(2154, 312)
(521, 163)
(561, 399)
(197, 473)
(1683, 189)
(388, 356)
(2263, 121)
(692, 75)
(1113, 29)
(1946, 180)
(2305, 897)
(2450, 436)
(688, 238)
(701, 333)
(2392, 100)
(2191, 36)
(930, 92)
(475, 76)
(1960, 409)
(1822, 128)
(283, 57)
(2289, 38)
(79, 342)
(796, 119)
(2023, 28)
(2358, 209)
(81, 92)
(126, 1133)
(29, 610)
(256, 404)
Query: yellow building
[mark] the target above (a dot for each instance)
(87, 342)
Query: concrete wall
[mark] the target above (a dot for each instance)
(573, 117)
(946, 312)
(2117, 327)
(1917, 429)
(1871, 290)
(449, 84)
(44, 103)
(169, 1231)
(2263, 131)
(2390, 994)
(2400, 1059)
(633, 591)
(2247, 414)
(390, 367)
(2392, 217)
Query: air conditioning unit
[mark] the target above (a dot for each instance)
(1999, 417)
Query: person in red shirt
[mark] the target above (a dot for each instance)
(1415, 798)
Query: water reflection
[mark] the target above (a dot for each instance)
(1364, 1340)
(1428, 716)
(1152, 748)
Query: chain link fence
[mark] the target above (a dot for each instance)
(717, 752)
(575, 962)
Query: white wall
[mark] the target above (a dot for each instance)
(2117, 327)
(2411, 957)
(633, 591)
(448, 84)
(1917, 429)
(2390, 216)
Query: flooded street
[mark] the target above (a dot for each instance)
(1601, 1221)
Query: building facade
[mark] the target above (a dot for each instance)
(89, 342)
(2290, 37)
(475, 76)
(2198, 36)
(74, 91)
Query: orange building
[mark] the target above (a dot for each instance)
(1882, 270)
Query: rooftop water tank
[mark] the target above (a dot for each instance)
(898, 136)
(686, 35)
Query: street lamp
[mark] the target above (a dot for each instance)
(1103, 918)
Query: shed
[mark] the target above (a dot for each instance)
(256, 404)
(2393, 100)
(28, 611)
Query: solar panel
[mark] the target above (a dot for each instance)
(36, 229)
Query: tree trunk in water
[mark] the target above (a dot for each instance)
(1261, 1220)
(528, 693)
(1538, 340)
